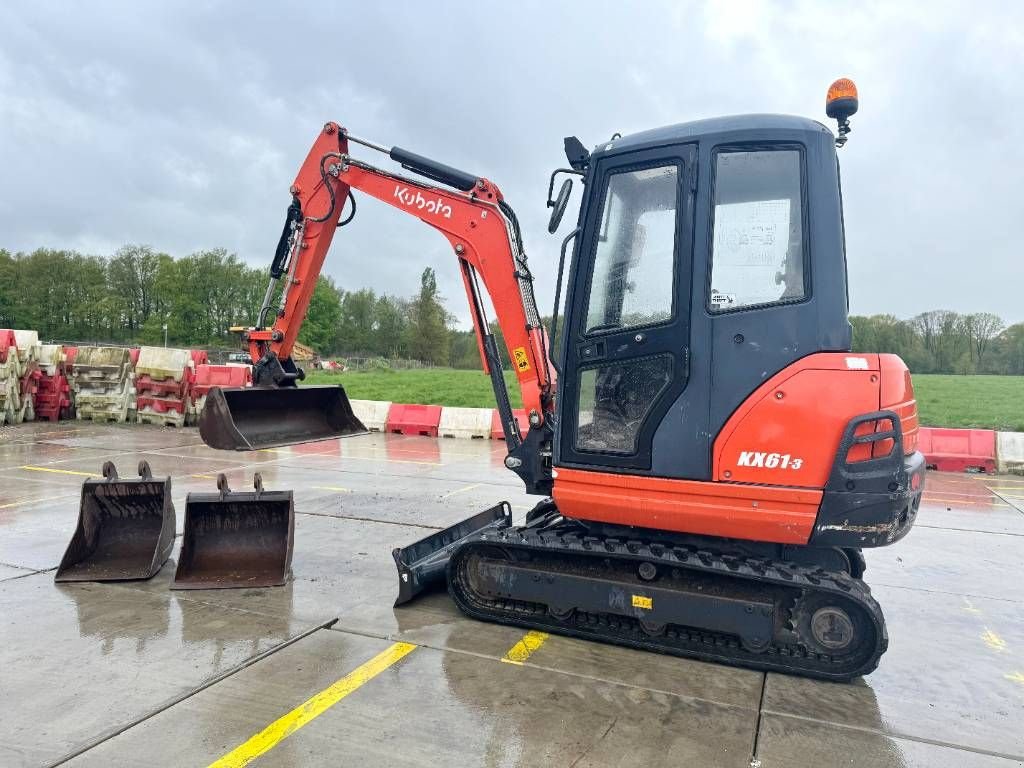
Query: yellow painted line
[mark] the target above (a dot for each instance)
(993, 641)
(58, 471)
(204, 477)
(1017, 677)
(522, 650)
(969, 606)
(337, 488)
(462, 490)
(279, 730)
(23, 502)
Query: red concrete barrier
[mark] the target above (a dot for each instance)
(209, 376)
(498, 429)
(161, 404)
(414, 419)
(146, 384)
(958, 450)
(7, 343)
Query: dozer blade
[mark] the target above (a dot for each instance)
(247, 419)
(236, 539)
(125, 528)
(422, 564)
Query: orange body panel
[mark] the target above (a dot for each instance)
(897, 394)
(771, 459)
(784, 515)
(787, 431)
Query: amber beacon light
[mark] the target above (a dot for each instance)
(840, 104)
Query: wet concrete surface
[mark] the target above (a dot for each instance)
(132, 674)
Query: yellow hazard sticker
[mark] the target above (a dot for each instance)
(522, 363)
(639, 601)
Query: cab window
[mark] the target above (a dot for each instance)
(758, 248)
(632, 282)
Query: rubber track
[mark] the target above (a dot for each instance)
(700, 644)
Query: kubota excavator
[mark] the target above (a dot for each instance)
(716, 458)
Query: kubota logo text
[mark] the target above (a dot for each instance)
(420, 203)
(768, 460)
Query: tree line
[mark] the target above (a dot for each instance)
(129, 297)
(942, 341)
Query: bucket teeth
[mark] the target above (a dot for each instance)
(125, 528)
(236, 539)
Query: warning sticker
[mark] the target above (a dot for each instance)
(639, 601)
(522, 363)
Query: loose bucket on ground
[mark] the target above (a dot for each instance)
(236, 539)
(125, 528)
(251, 418)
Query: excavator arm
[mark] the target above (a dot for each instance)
(484, 235)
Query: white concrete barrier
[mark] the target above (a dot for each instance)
(50, 356)
(160, 363)
(465, 422)
(1010, 452)
(373, 413)
(28, 345)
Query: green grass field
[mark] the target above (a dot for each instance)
(426, 386)
(994, 402)
(991, 402)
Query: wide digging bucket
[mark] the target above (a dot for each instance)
(250, 418)
(422, 564)
(236, 539)
(125, 528)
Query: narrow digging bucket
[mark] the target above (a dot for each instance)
(125, 528)
(236, 539)
(422, 564)
(247, 419)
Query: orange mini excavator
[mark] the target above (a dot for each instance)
(715, 459)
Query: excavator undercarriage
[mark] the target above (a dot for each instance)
(800, 610)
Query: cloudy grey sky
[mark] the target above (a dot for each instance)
(181, 125)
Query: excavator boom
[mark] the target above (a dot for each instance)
(484, 236)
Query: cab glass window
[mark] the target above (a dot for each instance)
(632, 281)
(758, 250)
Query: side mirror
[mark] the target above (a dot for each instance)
(558, 206)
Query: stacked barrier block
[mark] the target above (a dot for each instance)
(10, 377)
(102, 384)
(162, 381)
(27, 343)
(53, 397)
(207, 377)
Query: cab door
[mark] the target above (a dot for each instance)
(626, 353)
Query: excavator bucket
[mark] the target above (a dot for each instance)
(422, 564)
(236, 539)
(125, 528)
(247, 419)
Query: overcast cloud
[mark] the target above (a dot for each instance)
(181, 125)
